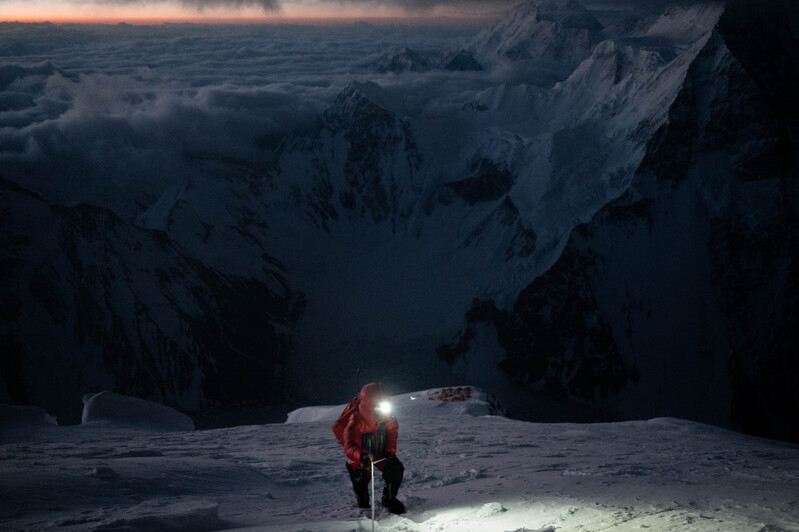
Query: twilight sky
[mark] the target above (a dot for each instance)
(244, 10)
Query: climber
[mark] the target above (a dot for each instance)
(369, 434)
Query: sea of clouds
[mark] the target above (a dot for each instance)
(112, 114)
(115, 114)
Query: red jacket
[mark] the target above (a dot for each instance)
(368, 433)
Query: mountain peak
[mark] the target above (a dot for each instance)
(358, 96)
(565, 33)
(401, 59)
(464, 60)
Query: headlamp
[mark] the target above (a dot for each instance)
(384, 408)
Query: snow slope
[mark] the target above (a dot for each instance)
(467, 472)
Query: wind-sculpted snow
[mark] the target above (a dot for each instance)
(462, 472)
(108, 408)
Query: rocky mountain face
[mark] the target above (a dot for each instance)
(92, 302)
(680, 296)
(366, 179)
(463, 60)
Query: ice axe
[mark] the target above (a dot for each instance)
(384, 408)
(373, 490)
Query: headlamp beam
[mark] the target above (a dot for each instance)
(384, 408)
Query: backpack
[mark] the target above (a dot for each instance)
(343, 419)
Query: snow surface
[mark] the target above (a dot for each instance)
(468, 472)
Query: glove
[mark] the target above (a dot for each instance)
(366, 460)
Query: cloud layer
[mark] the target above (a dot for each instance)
(425, 5)
(327, 6)
(266, 5)
(410, 4)
(115, 114)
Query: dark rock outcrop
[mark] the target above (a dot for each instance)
(92, 302)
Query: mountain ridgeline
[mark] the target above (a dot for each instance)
(607, 217)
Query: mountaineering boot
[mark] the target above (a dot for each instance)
(362, 503)
(361, 495)
(390, 500)
(360, 485)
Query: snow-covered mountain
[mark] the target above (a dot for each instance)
(604, 215)
(560, 34)
(660, 298)
(400, 59)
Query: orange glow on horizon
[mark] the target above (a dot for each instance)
(151, 13)
(321, 21)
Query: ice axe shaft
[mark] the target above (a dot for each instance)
(373, 490)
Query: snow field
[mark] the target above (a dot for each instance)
(465, 471)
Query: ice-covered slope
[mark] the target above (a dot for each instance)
(661, 297)
(386, 238)
(462, 472)
(406, 219)
(565, 33)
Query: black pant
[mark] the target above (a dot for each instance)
(392, 470)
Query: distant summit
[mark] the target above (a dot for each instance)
(360, 97)
(463, 61)
(544, 31)
(401, 59)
